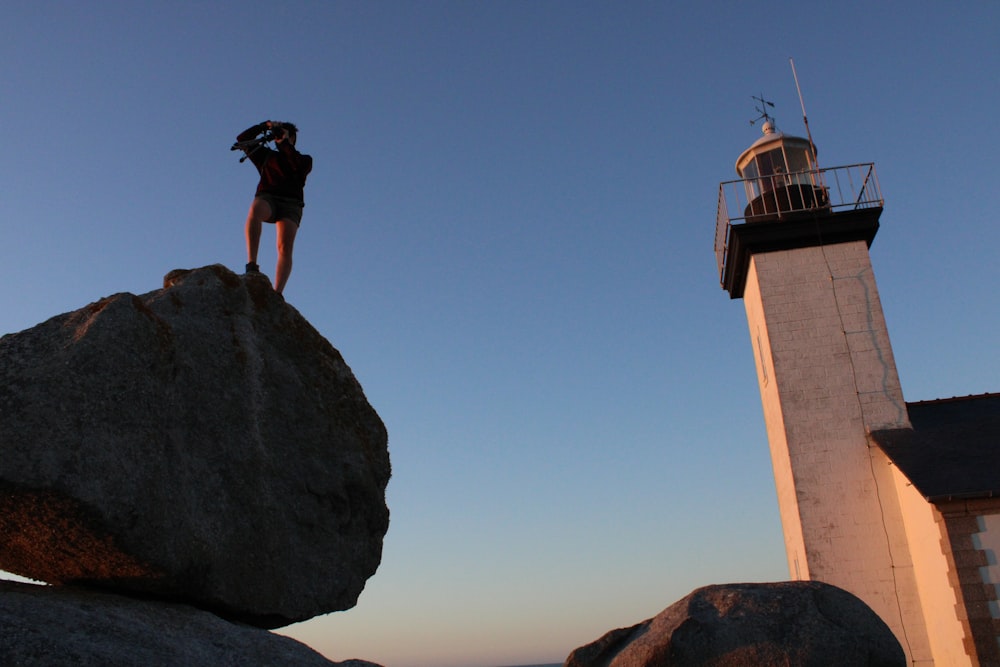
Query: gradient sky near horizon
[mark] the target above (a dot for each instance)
(508, 234)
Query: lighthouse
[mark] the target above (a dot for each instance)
(792, 241)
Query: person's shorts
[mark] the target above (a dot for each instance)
(283, 208)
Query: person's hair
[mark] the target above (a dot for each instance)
(291, 128)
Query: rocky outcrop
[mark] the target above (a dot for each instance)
(201, 443)
(43, 625)
(790, 624)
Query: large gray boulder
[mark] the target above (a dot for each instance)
(200, 443)
(788, 624)
(41, 625)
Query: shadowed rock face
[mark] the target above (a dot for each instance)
(798, 624)
(42, 625)
(200, 443)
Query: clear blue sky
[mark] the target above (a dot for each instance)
(508, 235)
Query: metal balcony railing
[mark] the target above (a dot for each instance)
(783, 196)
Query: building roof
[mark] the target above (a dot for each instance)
(952, 451)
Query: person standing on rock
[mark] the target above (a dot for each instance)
(279, 198)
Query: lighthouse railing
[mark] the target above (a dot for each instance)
(784, 196)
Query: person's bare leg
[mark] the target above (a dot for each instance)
(286, 243)
(259, 211)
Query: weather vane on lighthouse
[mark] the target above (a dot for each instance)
(761, 108)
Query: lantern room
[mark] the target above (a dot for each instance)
(781, 176)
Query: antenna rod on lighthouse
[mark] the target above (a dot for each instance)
(805, 119)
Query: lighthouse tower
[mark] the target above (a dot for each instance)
(792, 242)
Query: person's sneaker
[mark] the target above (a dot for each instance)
(252, 267)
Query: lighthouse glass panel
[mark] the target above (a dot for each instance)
(771, 162)
(749, 175)
(798, 160)
(798, 166)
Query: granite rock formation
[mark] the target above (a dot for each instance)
(201, 443)
(788, 624)
(44, 625)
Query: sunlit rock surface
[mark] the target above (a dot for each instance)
(787, 624)
(200, 443)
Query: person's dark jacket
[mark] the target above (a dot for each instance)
(282, 172)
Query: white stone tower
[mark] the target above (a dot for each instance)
(792, 241)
